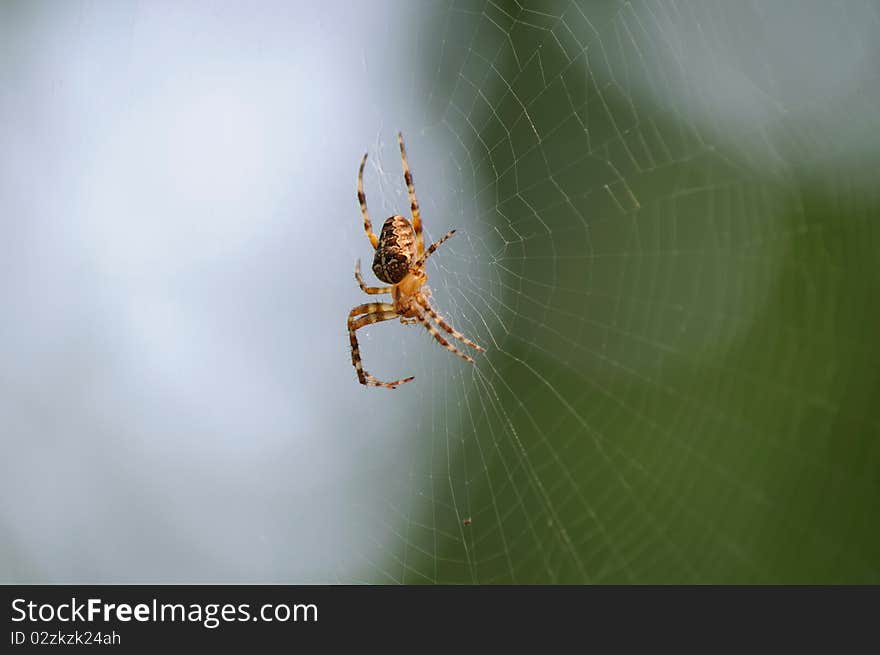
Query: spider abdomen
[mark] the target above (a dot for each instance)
(396, 250)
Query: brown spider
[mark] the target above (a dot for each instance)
(400, 261)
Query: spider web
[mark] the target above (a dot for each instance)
(666, 236)
(666, 242)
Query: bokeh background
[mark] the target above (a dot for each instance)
(667, 242)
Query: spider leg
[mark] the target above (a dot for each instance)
(360, 280)
(373, 312)
(362, 199)
(439, 320)
(413, 203)
(439, 338)
(430, 251)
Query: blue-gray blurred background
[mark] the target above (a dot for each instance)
(667, 242)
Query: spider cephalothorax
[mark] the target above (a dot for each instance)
(399, 261)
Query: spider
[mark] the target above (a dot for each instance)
(400, 261)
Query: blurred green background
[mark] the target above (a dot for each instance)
(682, 298)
